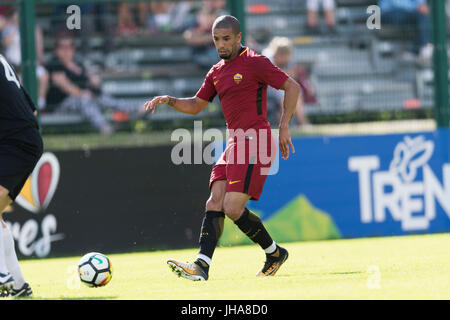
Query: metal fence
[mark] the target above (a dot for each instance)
(353, 65)
(360, 66)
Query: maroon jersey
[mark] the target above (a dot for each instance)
(242, 88)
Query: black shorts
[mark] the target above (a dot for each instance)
(18, 157)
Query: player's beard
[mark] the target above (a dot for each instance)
(227, 55)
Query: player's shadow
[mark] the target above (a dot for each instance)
(91, 298)
(346, 272)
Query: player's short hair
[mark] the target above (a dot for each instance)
(227, 21)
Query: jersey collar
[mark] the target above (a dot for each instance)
(242, 50)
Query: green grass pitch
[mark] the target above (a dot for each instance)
(408, 267)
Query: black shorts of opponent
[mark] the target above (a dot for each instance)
(19, 154)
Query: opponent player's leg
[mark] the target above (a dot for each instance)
(251, 225)
(20, 287)
(6, 279)
(211, 230)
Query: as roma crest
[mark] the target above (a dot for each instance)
(237, 78)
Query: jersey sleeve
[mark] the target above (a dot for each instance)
(207, 91)
(266, 72)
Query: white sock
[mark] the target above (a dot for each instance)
(11, 258)
(204, 258)
(271, 249)
(3, 267)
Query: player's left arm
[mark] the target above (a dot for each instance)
(266, 72)
(291, 95)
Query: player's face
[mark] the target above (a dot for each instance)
(227, 43)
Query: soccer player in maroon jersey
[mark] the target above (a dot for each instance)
(240, 79)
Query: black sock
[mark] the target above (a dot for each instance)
(250, 224)
(212, 228)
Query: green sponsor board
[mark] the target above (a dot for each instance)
(298, 220)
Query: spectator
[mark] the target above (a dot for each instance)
(160, 13)
(218, 6)
(94, 18)
(410, 14)
(73, 88)
(170, 16)
(3, 14)
(183, 16)
(10, 39)
(126, 22)
(199, 38)
(279, 52)
(312, 8)
(155, 17)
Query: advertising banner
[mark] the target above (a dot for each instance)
(357, 186)
(131, 199)
(109, 200)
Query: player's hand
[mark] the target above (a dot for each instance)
(151, 105)
(285, 142)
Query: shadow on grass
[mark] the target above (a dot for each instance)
(68, 298)
(90, 298)
(347, 272)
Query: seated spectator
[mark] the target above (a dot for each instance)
(153, 17)
(312, 8)
(183, 16)
(218, 6)
(200, 39)
(160, 13)
(413, 16)
(3, 16)
(170, 16)
(10, 39)
(73, 88)
(279, 52)
(126, 21)
(94, 18)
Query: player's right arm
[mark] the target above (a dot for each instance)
(193, 105)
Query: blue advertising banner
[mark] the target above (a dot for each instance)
(358, 186)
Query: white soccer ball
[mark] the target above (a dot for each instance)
(95, 269)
